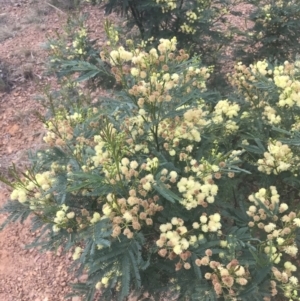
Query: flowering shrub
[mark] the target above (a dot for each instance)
(276, 29)
(165, 189)
(196, 24)
(72, 52)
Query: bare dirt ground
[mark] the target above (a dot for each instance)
(27, 275)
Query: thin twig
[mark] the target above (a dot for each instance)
(56, 8)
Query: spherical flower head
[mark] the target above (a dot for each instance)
(76, 256)
(106, 210)
(223, 243)
(213, 226)
(239, 270)
(175, 77)
(293, 280)
(214, 190)
(60, 214)
(174, 221)
(55, 228)
(78, 250)
(182, 230)
(291, 250)
(96, 218)
(104, 280)
(127, 216)
(164, 172)
(177, 249)
(71, 215)
(166, 77)
(184, 244)
(287, 265)
(224, 272)
(193, 239)
(109, 197)
(228, 280)
(204, 228)
(251, 198)
(125, 162)
(172, 152)
(205, 260)
(153, 52)
(169, 226)
(242, 281)
(173, 174)
(114, 57)
(216, 217)
(77, 253)
(296, 222)
(134, 164)
(203, 219)
(270, 227)
(147, 186)
(14, 195)
(252, 209)
(201, 237)
(262, 192)
(210, 199)
(142, 112)
(163, 228)
(269, 250)
(160, 243)
(196, 225)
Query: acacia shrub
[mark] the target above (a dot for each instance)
(73, 55)
(164, 189)
(276, 31)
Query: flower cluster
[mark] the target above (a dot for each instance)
(265, 212)
(59, 131)
(120, 56)
(271, 115)
(194, 193)
(34, 190)
(289, 87)
(162, 175)
(223, 113)
(209, 224)
(75, 46)
(167, 5)
(244, 79)
(129, 215)
(77, 253)
(186, 28)
(62, 218)
(80, 41)
(283, 81)
(173, 239)
(279, 158)
(228, 279)
(181, 129)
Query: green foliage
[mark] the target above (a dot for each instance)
(276, 30)
(72, 52)
(166, 188)
(199, 26)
